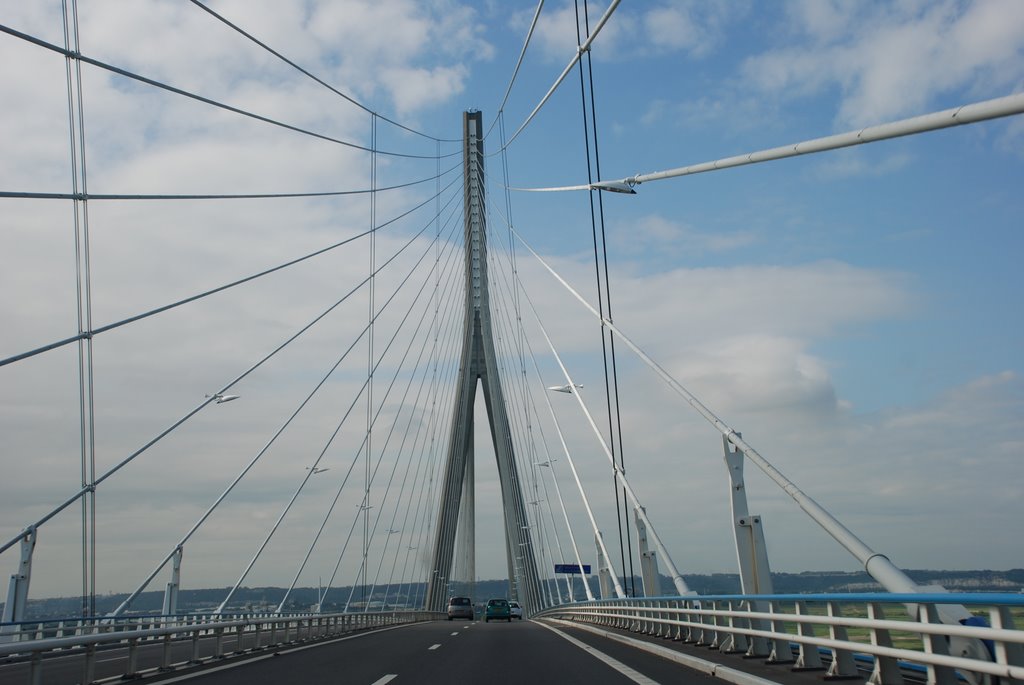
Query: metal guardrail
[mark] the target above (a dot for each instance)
(35, 641)
(891, 629)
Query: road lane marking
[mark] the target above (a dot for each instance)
(434, 646)
(726, 673)
(635, 676)
(386, 679)
(454, 633)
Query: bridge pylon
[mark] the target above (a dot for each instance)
(479, 364)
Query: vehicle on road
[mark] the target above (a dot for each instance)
(515, 611)
(460, 607)
(497, 609)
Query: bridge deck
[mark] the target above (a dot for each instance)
(444, 652)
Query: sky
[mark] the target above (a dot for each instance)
(855, 314)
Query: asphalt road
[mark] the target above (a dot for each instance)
(455, 652)
(440, 652)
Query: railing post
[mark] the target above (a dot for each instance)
(218, 642)
(703, 637)
(1007, 653)
(887, 670)
(843, 665)
(36, 669)
(935, 644)
(165, 659)
(195, 648)
(89, 664)
(808, 658)
(735, 642)
(781, 652)
(682, 632)
(691, 634)
(758, 646)
(133, 658)
(716, 635)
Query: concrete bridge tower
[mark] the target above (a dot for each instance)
(479, 365)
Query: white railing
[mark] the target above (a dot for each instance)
(208, 636)
(885, 631)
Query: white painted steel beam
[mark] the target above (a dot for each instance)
(986, 110)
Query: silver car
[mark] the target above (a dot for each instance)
(460, 607)
(515, 610)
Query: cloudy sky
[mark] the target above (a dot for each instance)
(856, 314)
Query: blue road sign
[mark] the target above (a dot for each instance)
(571, 568)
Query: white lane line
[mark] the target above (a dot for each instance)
(386, 679)
(622, 668)
(434, 646)
(454, 633)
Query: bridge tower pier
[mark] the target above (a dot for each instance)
(479, 365)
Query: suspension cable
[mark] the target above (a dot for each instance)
(17, 194)
(330, 510)
(210, 398)
(205, 100)
(515, 72)
(565, 72)
(323, 83)
(117, 324)
(83, 293)
(611, 390)
(568, 455)
(401, 450)
(127, 602)
(362, 448)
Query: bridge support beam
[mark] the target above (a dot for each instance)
(171, 593)
(648, 559)
(751, 550)
(604, 571)
(17, 590)
(479, 364)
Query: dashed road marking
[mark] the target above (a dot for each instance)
(434, 646)
(386, 679)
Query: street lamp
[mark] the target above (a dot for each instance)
(565, 388)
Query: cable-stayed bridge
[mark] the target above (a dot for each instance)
(314, 423)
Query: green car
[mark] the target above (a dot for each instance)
(497, 609)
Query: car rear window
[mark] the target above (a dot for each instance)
(460, 601)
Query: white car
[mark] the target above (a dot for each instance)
(516, 611)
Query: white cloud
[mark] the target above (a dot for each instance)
(856, 162)
(415, 89)
(693, 28)
(893, 60)
(656, 233)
